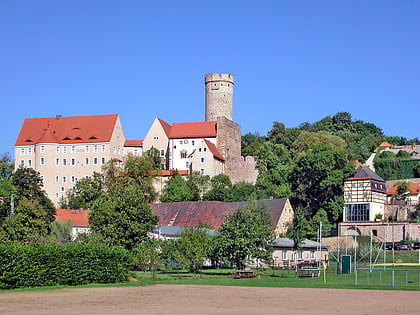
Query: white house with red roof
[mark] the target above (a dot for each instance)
(79, 219)
(65, 149)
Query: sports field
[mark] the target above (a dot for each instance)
(195, 299)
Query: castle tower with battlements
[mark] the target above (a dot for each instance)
(219, 96)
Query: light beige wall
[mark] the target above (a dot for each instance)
(286, 218)
(211, 166)
(157, 138)
(58, 172)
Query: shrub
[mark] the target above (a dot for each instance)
(51, 264)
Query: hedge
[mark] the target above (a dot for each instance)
(73, 264)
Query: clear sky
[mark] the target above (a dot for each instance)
(293, 61)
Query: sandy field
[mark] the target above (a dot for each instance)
(193, 299)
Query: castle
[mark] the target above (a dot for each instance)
(65, 149)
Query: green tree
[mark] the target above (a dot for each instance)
(220, 188)
(123, 218)
(61, 231)
(7, 189)
(192, 247)
(318, 181)
(85, 192)
(246, 234)
(147, 255)
(178, 190)
(402, 188)
(29, 223)
(308, 140)
(28, 185)
(274, 164)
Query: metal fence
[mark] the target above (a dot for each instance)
(387, 276)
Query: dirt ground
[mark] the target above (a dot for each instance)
(193, 299)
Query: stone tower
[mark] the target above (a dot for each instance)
(219, 96)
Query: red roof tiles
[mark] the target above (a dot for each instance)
(77, 129)
(133, 143)
(414, 189)
(210, 212)
(214, 150)
(78, 218)
(206, 129)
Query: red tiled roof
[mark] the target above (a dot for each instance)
(171, 172)
(78, 217)
(211, 212)
(214, 150)
(77, 129)
(205, 129)
(166, 127)
(133, 143)
(414, 189)
(385, 144)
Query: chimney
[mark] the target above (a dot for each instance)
(57, 117)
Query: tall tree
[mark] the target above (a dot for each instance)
(7, 189)
(245, 235)
(192, 247)
(220, 188)
(318, 181)
(123, 218)
(85, 192)
(177, 190)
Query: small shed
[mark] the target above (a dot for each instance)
(309, 252)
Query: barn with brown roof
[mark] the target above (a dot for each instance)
(189, 214)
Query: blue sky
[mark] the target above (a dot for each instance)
(293, 61)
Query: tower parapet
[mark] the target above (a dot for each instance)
(219, 96)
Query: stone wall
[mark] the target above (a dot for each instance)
(382, 231)
(241, 169)
(228, 139)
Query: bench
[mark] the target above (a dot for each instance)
(240, 274)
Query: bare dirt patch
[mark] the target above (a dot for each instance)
(193, 299)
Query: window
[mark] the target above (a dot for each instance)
(284, 254)
(73, 149)
(29, 163)
(204, 149)
(202, 171)
(87, 149)
(95, 161)
(312, 254)
(155, 138)
(57, 179)
(62, 189)
(73, 179)
(64, 150)
(119, 151)
(22, 163)
(187, 164)
(183, 154)
(162, 152)
(95, 148)
(103, 148)
(136, 152)
(42, 149)
(181, 142)
(115, 149)
(29, 151)
(64, 162)
(57, 162)
(357, 212)
(87, 161)
(22, 151)
(202, 160)
(102, 160)
(73, 161)
(42, 161)
(57, 150)
(300, 255)
(64, 179)
(349, 196)
(192, 142)
(42, 178)
(199, 149)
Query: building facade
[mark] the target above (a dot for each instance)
(65, 149)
